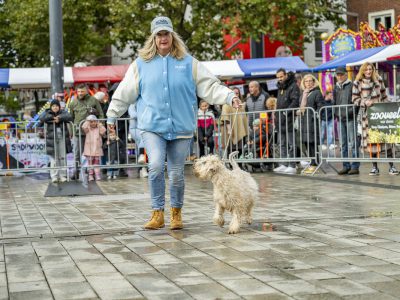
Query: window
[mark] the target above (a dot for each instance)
(318, 44)
(386, 17)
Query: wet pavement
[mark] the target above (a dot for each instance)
(326, 237)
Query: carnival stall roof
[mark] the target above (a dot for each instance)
(99, 73)
(32, 77)
(4, 74)
(380, 56)
(268, 66)
(351, 57)
(223, 69)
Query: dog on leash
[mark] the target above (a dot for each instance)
(234, 190)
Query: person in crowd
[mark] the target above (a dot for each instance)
(112, 152)
(135, 134)
(165, 82)
(256, 100)
(346, 115)
(58, 143)
(103, 100)
(234, 126)
(298, 78)
(311, 97)
(288, 98)
(80, 108)
(368, 89)
(122, 129)
(205, 128)
(327, 135)
(93, 150)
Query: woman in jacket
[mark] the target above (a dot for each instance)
(368, 89)
(311, 97)
(165, 82)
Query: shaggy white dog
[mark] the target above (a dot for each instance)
(234, 190)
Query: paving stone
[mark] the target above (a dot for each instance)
(209, 291)
(64, 275)
(293, 287)
(245, 287)
(345, 287)
(27, 273)
(32, 295)
(76, 290)
(153, 284)
(365, 277)
(117, 294)
(15, 287)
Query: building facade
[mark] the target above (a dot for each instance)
(373, 12)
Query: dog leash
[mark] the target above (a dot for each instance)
(230, 134)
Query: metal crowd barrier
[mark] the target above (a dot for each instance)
(273, 137)
(349, 142)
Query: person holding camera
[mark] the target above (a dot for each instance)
(80, 108)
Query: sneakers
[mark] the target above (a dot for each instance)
(279, 169)
(109, 177)
(91, 178)
(393, 171)
(304, 163)
(323, 147)
(114, 177)
(54, 180)
(309, 170)
(143, 173)
(63, 179)
(290, 170)
(374, 171)
(142, 159)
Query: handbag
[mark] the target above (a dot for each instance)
(359, 121)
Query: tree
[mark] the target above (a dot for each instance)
(24, 32)
(201, 23)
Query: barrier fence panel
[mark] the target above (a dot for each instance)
(352, 142)
(283, 136)
(23, 148)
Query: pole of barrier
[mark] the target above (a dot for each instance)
(7, 150)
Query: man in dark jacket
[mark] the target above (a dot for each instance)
(288, 98)
(347, 115)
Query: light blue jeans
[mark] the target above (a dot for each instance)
(348, 132)
(327, 130)
(176, 152)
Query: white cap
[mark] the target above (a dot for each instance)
(161, 23)
(99, 96)
(91, 118)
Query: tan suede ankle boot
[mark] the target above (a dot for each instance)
(176, 218)
(156, 221)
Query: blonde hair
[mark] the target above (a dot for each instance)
(271, 103)
(360, 74)
(316, 82)
(149, 50)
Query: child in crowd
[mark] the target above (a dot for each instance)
(113, 148)
(205, 128)
(93, 150)
(327, 122)
(58, 143)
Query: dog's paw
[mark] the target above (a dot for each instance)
(233, 230)
(219, 221)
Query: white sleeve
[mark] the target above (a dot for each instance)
(126, 94)
(209, 87)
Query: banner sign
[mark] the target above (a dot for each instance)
(384, 123)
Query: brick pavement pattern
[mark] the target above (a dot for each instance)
(310, 239)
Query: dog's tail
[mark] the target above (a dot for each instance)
(232, 161)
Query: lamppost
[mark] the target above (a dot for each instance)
(56, 47)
